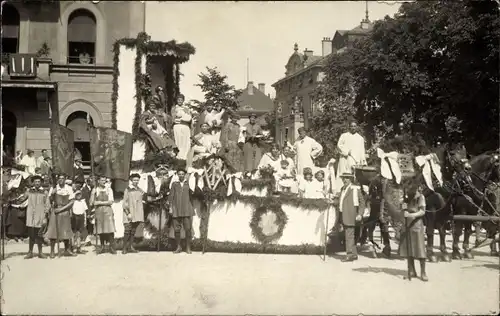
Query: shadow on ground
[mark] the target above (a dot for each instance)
(399, 273)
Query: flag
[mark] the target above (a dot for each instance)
(111, 152)
(63, 149)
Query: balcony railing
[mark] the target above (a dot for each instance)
(20, 65)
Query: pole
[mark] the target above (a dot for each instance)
(326, 233)
(159, 228)
(92, 174)
(205, 238)
(248, 70)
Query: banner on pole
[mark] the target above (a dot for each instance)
(111, 152)
(63, 150)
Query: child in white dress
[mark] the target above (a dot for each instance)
(310, 188)
(285, 177)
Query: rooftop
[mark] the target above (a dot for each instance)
(255, 100)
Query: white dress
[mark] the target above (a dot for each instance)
(214, 120)
(352, 146)
(312, 189)
(306, 150)
(182, 131)
(284, 178)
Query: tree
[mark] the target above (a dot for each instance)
(435, 63)
(217, 90)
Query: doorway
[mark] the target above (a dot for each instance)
(9, 130)
(77, 122)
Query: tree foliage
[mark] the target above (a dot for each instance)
(217, 90)
(435, 63)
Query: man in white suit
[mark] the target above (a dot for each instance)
(351, 146)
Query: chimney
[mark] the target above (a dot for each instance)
(308, 53)
(326, 44)
(262, 87)
(250, 88)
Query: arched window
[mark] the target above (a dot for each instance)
(77, 122)
(81, 37)
(10, 29)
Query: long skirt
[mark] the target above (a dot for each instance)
(63, 226)
(234, 156)
(417, 243)
(16, 222)
(252, 155)
(182, 136)
(105, 222)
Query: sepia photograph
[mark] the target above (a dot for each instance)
(250, 157)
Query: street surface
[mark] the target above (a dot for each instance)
(217, 283)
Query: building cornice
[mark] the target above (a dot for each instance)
(316, 64)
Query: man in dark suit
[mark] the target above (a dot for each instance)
(351, 207)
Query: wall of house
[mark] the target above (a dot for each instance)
(48, 23)
(286, 93)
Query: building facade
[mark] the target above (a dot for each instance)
(295, 103)
(253, 100)
(57, 66)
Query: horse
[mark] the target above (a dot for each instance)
(485, 172)
(438, 201)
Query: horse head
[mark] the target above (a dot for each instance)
(454, 158)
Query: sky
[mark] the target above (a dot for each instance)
(225, 34)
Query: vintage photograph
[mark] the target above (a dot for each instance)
(250, 157)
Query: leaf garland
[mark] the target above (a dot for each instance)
(281, 221)
(178, 53)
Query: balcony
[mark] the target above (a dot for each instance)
(26, 70)
(81, 66)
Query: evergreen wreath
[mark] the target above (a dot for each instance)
(258, 231)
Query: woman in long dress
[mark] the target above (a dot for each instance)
(59, 228)
(102, 198)
(231, 145)
(414, 230)
(182, 128)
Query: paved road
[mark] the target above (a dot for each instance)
(215, 283)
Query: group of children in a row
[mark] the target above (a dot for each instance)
(310, 185)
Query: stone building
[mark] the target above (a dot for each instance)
(58, 66)
(254, 101)
(295, 102)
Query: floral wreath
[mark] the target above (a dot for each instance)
(257, 226)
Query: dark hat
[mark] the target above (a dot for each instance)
(347, 175)
(307, 170)
(253, 115)
(36, 177)
(134, 175)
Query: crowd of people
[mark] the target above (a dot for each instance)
(74, 208)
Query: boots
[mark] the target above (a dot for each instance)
(188, 243)
(125, 244)
(40, 252)
(112, 245)
(423, 275)
(131, 245)
(178, 242)
(413, 272)
(67, 249)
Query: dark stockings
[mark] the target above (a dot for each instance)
(186, 223)
(128, 237)
(413, 271)
(35, 238)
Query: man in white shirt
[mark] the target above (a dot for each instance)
(40, 160)
(306, 150)
(351, 146)
(29, 162)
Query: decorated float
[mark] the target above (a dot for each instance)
(234, 213)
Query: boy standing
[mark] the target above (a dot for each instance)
(36, 215)
(78, 220)
(182, 210)
(133, 212)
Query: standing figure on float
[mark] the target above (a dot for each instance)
(351, 146)
(182, 127)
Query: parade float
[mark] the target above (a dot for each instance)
(234, 213)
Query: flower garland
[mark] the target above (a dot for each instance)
(177, 79)
(177, 53)
(257, 217)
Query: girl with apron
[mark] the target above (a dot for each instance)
(102, 198)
